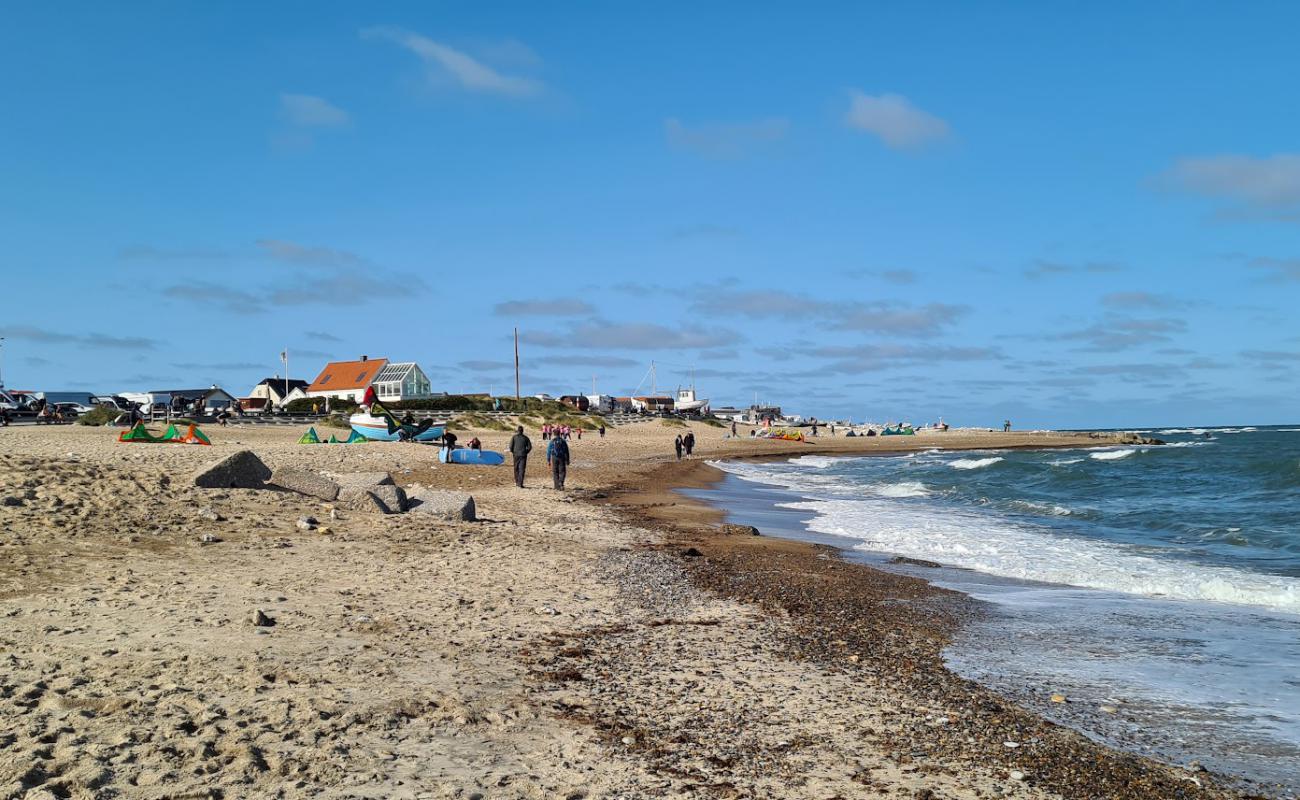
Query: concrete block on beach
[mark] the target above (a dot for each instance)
(241, 470)
(454, 506)
(306, 482)
(361, 480)
(382, 499)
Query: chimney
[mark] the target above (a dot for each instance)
(365, 358)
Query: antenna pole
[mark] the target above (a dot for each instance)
(516, 364)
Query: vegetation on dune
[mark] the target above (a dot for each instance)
(479, 421)
(672, 422)
(713, 422)
(303, 405)
(100, 415)
(337, 420)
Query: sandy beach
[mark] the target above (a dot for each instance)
(609, 641)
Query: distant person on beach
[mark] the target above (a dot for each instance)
(688, 441)
(520, 447)
(449, 440)
(1006, 426)
(475, 444)
(677, 445)
(602, 431)
(557, 456)
(733, 428)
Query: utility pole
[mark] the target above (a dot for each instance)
(516, 365)
(2, 362)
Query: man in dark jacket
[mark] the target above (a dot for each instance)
(677, 445)
(557, 455)
(520, 447)
(688, 441)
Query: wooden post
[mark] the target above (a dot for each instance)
(516, 365)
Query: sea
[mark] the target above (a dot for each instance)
(1156, 587)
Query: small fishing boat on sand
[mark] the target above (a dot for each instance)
(384, 429)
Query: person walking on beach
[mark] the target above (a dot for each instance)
(520, 447)
(688, 441)
(677, 445)
(1006, 426)
(557, 456)
(733, 429)
(602, 431)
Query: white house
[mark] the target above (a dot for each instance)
(393, 382)
(273, 390)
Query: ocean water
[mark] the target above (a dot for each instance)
(1158, 587)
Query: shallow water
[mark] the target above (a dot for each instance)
(1157, 587)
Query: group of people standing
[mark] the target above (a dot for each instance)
(550, 432)
(557, 454)
(684, 443)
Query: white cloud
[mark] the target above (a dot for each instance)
(898, 123)
(1269, 182)
(725, 140)
(446, 62)
(310, 111)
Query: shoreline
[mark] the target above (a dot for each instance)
(843, 608)
(564, 645)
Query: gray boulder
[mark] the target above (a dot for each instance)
(306, 482)
(368, 501)
(362, 480)
(241, 470)
(454, 506)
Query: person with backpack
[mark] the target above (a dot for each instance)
(557, 456)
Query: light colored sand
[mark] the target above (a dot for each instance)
(408, 658)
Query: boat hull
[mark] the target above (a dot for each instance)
(376, 428)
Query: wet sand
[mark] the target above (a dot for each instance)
(567, 645)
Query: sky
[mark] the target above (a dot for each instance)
(1065, 215)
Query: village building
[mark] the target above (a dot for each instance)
(393, 382)
(274, 392)
(210, 400)
(652, 404)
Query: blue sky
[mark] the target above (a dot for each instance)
(1067, 216)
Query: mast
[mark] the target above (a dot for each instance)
(516, 364)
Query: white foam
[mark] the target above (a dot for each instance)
(1197, 431)
(1111, 455)
(974, 540)
(974, 463)
(903, 489)
(816, 462)
(1061, 462)
(1043, 508)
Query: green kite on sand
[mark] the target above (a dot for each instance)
(172, 436)
(311, 437)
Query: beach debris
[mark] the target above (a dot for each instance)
(239, 470)
(915, 562)
(261, 620)
(334, 514)
(1016, 775)
(1060, 698)
(210, 514)
(306, 523)
(739, 530)
(629, 740)
(1108, 710)
(1011, 745)
(324, 530)
(305, 482)
(453, 506)
(691, 552)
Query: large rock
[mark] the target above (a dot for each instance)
(455, 506)
(361, 480)
(384, 499)
(241, 470)
(306, 482)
